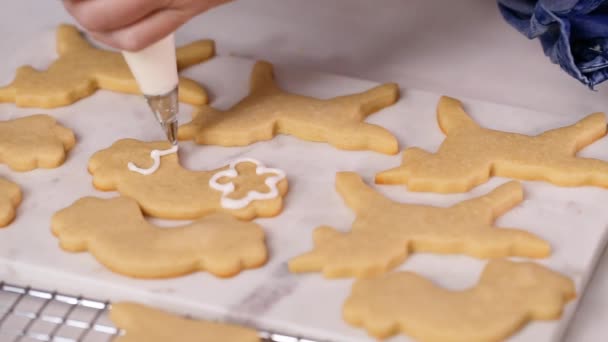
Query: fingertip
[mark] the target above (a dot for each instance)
(69, 6)
(69, 3)
(123, 41)
(105, 39)
(129, 40)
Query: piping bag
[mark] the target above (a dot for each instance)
(155, 71)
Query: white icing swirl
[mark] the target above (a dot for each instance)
(155, 155)
(228, 188)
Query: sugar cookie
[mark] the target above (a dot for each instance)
(508, 295)
(116, 233)
(268, 111)
(81, 69)
(174, 192)
(470, 154)
(229, 188)
(36, 141)
(10, 198)
(385, 231)
(145, 324)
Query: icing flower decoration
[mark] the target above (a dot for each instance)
(253, 195)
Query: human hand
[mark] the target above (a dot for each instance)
(132, 25)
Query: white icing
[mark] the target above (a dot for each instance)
(155, 155)
(251, 196)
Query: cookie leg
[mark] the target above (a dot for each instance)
(581, 134)
(504, 242)
(440, 172)
(579, 171)
(194, 53)
(202, 117)
(363, 136)
(357, 195)
(191, 92)
(232, 133)
(400, 174)
(369, 101)
(497, 201)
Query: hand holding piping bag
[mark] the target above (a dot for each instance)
(132, 25)
(143, 30)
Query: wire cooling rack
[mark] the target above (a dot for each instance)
(28, 315)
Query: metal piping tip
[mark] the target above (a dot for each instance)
(170, 129)
(165, 108)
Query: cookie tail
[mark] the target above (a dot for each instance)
(194, 53)
(451, 115)
(262, 77)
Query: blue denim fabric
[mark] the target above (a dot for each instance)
(573, 33)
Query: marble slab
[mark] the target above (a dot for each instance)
(571, 219)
